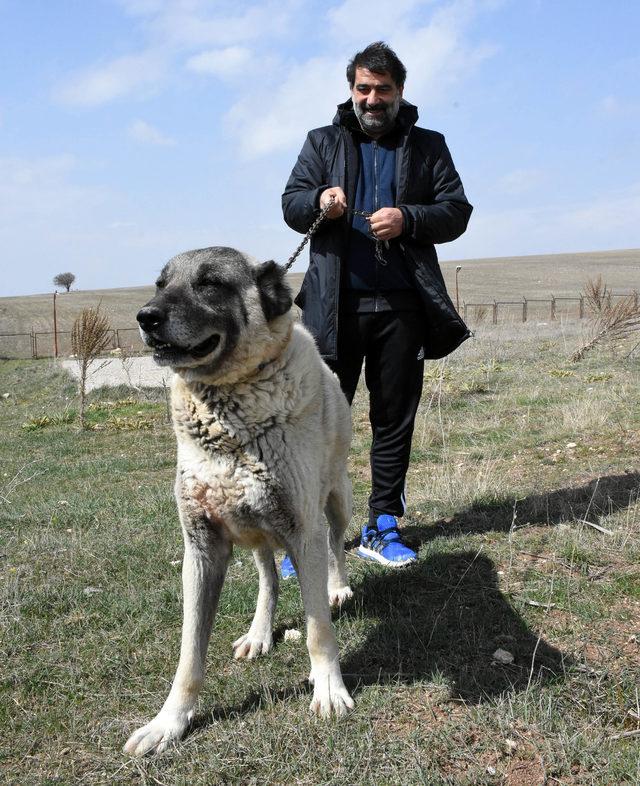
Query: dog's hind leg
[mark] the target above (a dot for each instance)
(329, 692)
(206, 556)
(259, 638)
(338, 513)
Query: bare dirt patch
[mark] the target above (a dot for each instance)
(136, 372)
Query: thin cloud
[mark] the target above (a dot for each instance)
(142, 7)
(143, 132)
(175, 28)
(116, 79)
(224, 63)
(552, 228)
(307, 97)
(436, 51)
(353, 22)
(521, 181)
(21, 173)
(437, 55)
(183, 25)
(614, 107)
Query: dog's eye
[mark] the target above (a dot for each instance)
(210, 283)
(161, 283)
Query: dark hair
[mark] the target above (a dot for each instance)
(379, 58)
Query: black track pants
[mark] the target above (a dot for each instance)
(389, 343)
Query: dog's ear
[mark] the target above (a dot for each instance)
(275, 294)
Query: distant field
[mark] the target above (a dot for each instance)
(561, 275)
(479, 280)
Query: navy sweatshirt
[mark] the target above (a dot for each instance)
(366, 276)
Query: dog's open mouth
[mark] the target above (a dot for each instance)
(170, 354)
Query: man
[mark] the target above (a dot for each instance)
(374, 291)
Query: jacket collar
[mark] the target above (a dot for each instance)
(406, 118)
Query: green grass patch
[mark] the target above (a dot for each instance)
(509, 461)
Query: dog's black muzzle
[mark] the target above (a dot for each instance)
(150, 318)
(154, 323)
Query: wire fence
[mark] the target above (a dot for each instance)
(533, 309)
(48, 344)
(43, 344)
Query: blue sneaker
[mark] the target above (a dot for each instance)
(287, 571)
(383, 543)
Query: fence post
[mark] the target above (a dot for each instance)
(495, 312)
(553, 308)
(524, 308)
(581, 306)
(33, 342)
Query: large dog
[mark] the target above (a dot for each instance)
(263, 433)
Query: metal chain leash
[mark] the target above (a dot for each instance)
(310, 233)
(313, 228)
(379, 255)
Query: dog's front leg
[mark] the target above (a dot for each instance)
(329, 692)
(206, 556)
(259, 638)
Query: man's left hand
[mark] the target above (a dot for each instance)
(387, 223)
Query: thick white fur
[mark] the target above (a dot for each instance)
(262, 451)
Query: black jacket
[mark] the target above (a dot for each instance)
(429, 193)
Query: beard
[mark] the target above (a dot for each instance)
(378, 124)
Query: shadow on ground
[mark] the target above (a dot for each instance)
(444, 617)
(600, 496)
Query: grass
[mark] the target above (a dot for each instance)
(513, 465)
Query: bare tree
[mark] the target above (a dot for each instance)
(90, 336)
(64, 280)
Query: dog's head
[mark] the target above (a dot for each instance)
(208, 304)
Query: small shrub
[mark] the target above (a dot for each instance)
(36, 423)
(90, 336)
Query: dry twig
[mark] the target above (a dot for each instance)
(612, 322)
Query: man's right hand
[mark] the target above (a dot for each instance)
(339, 201)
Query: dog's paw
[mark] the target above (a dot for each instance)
(157, 735)
(330, 696)
(250, 647)
(338, 595)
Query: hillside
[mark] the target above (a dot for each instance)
(479, 280)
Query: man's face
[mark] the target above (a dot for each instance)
(376, 99)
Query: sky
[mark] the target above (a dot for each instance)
(132, 130)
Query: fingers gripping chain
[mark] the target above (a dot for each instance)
(380, 244)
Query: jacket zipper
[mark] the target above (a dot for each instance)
(343, 139)
(376, 199)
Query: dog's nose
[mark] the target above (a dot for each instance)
(149, 317)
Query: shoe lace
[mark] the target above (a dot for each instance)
(381, 538)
